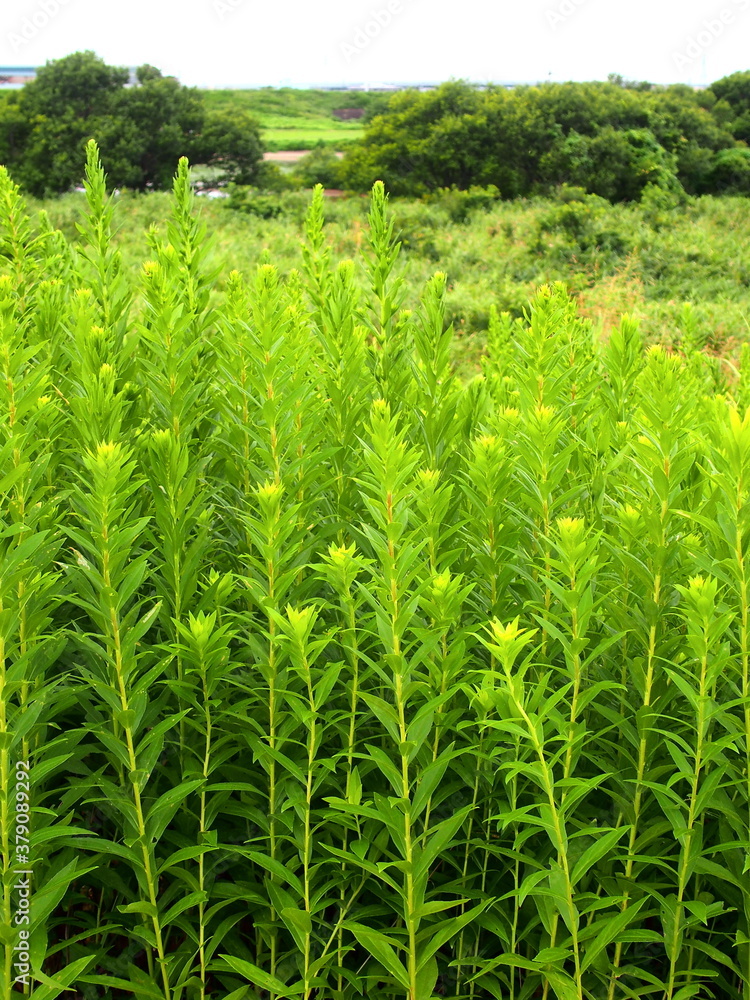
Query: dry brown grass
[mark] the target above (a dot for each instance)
(605, 301)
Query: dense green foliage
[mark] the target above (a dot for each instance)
(339, 678)
(681, 268)
(610, 139)
(734, 94)
(143, 129)
(320, 166)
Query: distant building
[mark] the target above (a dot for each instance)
(348, 114)
(14, 77)
(390, 87)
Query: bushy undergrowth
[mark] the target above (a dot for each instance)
(339, 678)
(647, 259)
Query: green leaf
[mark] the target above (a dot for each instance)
(141, 906)
(139, 987)
(610, 929)
(427, 976)
(260, 978)
(186, 903)
(298, 923)
(285, 875)
(603, 844)
(564, 987)
(163, 810)
(442, 835)
(440, 933)
(382, 948)
(61, 982)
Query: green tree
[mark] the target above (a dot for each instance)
(153, 124)
(421, 143)
(14, 128)
(320, 166)
(731, 171)
(81, 84)
(611, 138)
(615, 163)
(232, 142)
(147, 72)
(143, 130)
(43, 133)
(735, 90)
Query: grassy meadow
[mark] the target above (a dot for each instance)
(296, 119)
(374, 620)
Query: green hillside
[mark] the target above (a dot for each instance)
(299, 119)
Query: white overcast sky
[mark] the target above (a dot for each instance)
(224, 43)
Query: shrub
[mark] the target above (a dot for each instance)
(460, 204)
(265, 204)
(589, 230)
(272, 178)
(251, 201)
(658, 205)
(319, 166)
(731, 171)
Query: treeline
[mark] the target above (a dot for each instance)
(142, 129)
(612, 139)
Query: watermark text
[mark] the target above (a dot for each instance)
(711, 30)
(224, 7)
(369, 30)
(34, 24)
(566, 8)
(21, 800)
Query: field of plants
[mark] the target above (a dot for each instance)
(327, 674)
(681, 269)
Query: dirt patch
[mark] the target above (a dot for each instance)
(289, 155)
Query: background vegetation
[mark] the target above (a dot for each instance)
(609, 138)
(144, 128)
(615, 139)
(681, 268)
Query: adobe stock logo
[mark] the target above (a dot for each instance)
(564, 10)
(224, 7)
(33, 25)
(711, 30)
(365, 33)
